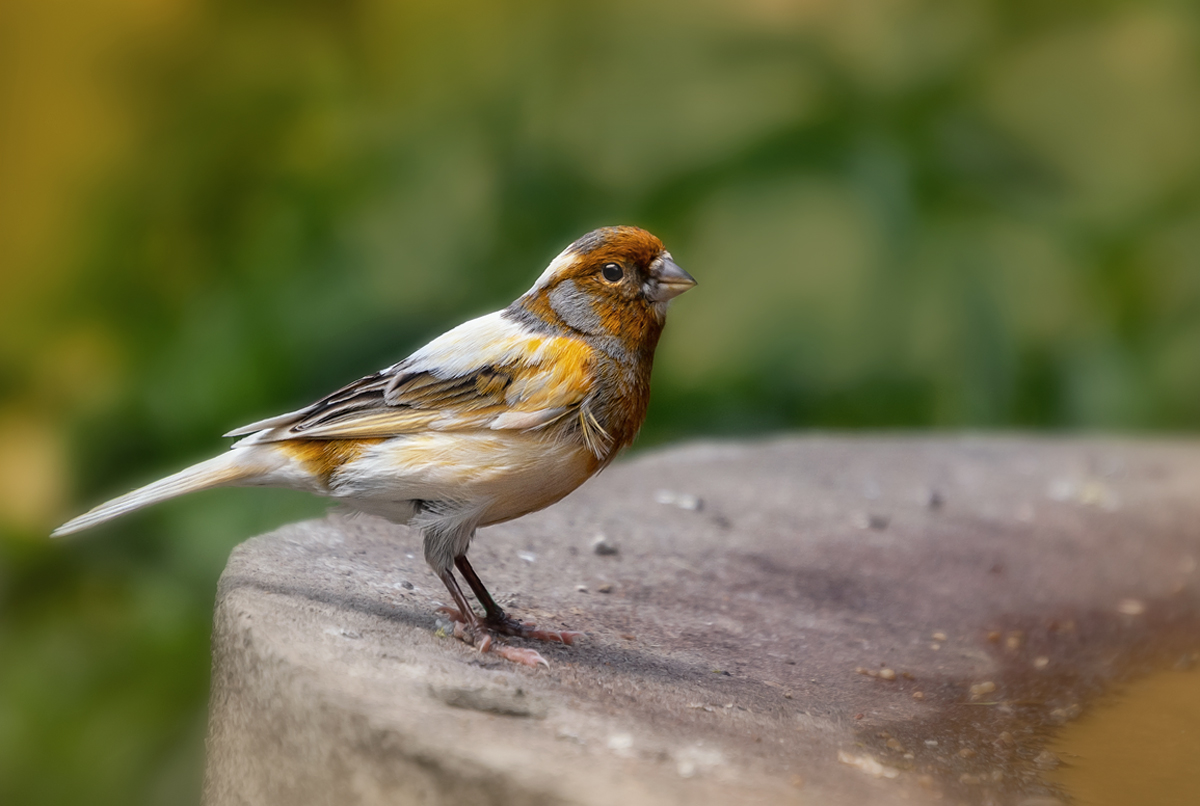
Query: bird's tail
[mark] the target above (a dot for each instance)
(228, 468)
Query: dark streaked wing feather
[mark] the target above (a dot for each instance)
(488, 373)
(396, 402)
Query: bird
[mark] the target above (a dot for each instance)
(498, 417)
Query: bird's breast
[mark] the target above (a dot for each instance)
(620, 401)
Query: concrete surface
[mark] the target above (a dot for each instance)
(810, 620)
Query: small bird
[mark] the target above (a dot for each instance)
(494, 419)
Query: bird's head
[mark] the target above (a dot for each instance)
(613, 280)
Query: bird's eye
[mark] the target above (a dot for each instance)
(613, 272)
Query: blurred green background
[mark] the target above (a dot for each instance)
(902, 214)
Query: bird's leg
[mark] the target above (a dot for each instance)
(464, 614)
(497, 620)
(492, 611)
(472, 629)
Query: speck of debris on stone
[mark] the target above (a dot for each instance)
(787, 695)
(1013, 641)
(887, 674)
(406, 585)
(933, 499)
(895, 744)
(1041, 662)
(966, 752)
(566, 735)
(693, 760)
(931, 743)
(621, 744)
(691, 503)
(1062, 489)
(1099, 494)
(938, 636)
(527, 556)
(935, 646)
(994, 637)
(980, 689)
(868, 765)
(1061, 715)
(604, 547)
(918, 695)
(866, 520)
(1046, 760)
(604, 587)
(1131, 607)
(581, 588)
(1005, 738)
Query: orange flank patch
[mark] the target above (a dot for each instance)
(560, 376)
(323, 457)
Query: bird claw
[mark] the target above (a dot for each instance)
(506, 625)
(526, 657)
(481, 636)
(486, 643)
(567, 637)
(521, 629)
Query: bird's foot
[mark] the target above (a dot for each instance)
(504, 624)
(484, 641)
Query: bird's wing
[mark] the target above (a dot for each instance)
(489, 373)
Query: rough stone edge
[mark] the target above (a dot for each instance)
(265, 748)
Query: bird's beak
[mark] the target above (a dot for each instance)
(669, 280)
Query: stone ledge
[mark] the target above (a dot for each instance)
(807, 620)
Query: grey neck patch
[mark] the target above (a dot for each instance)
(575, 309)
(612, 346)
(520, 314)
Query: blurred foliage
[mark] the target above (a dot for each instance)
(902, 213)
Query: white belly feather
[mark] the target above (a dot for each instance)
(497, 476)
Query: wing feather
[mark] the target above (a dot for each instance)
(488, 373)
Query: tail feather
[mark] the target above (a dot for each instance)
(227, 468)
